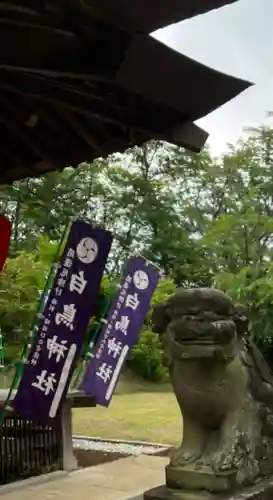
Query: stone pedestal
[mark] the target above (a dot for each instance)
(260, 491)
(203, 478)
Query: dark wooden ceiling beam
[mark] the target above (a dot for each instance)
(50, 73)
(13, 164)
(99, 125)
(62, 106)
(35, 27)
(130, 15)
(29, 137)
(14, 160)
(33, 142)
(66, 125)
(152, 126)
(98, 106)
(31, 5)
(17, 8)
(147, 16)
(9, 156)
(11, 12)
(91, 12)
(83, 132)
(91, 50)
(49, 116)
(60, 93)
(50, 50)
(73, 17)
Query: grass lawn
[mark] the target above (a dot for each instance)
(138, 411)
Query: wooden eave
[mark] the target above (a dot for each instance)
(80, 80)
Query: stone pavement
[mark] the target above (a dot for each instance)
(122, 479)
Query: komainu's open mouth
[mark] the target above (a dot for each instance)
(203, 333)
(188, 341)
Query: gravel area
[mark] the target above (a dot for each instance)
(106, 451)
(118, 447)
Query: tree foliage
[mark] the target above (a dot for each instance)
(205, 221)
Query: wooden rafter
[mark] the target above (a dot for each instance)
(28, 136)
(85, 134)
(58, 94)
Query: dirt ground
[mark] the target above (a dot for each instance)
(87, 458)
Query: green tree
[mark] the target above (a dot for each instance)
(202, 220)
(20, 282)
(239, 241)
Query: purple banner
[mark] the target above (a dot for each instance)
(61, 331)
(120, 333)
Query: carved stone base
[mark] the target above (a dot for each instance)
(203, 478)
(260, 491)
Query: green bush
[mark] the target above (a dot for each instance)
(146, 358)
(12, 353)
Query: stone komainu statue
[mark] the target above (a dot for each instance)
(224, 389)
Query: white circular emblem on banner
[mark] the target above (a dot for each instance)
(87, 250)
(141, 280)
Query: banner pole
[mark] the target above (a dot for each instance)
(88, 354)
(41, 304)
(2, 364)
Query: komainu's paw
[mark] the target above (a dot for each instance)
(184, 455)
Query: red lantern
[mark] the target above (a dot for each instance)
(5, 234)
